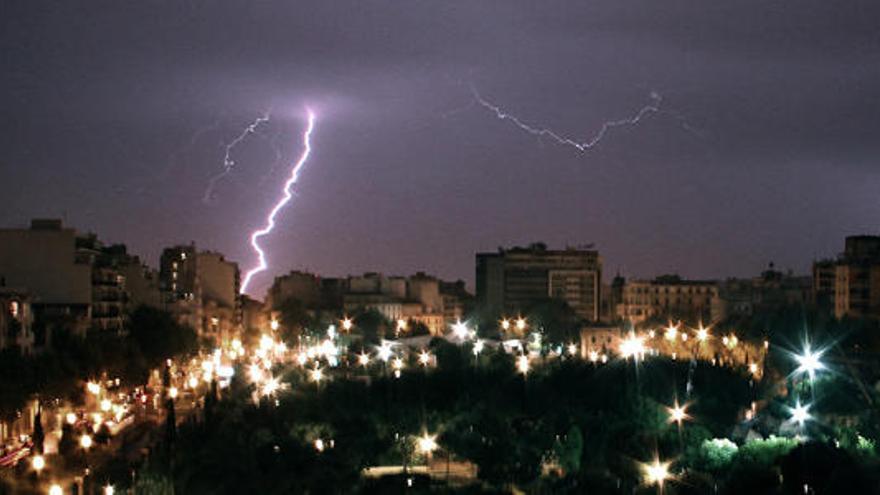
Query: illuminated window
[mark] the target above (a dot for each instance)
(14, 309)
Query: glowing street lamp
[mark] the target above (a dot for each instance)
(460, 330)
(109, 490)
(479, 345)
(427, 443)
(317, 375)
(56, 489)
(809, 362)
(401, 325)
(363, 359)
(270, 387)
(702, 334)
(505, 324)
(173, 392)
(656, 473)
(633, 347)
(521, 324)
(800, 413)
(93, 388)
(671, 333)
(347, 324)
(522, 364)
(70, 418)
(397, 364)
(678, 413)
(38, 463)
(572, 349)
(424, 358)
(274, 325)
(385, 351)
(85, 442)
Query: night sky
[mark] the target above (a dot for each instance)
(114, 116)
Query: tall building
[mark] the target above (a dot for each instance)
(202, 290)
(219, 280)
(671, 297)
(856, 278)
(513, 280)
(771, 290)
(416, 299)
(43, 260)
(302, 286)
(75, 280)
(179, 282)
(824, 280)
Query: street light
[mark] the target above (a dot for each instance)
(56, 489)
(800, 413)
(85, 442)
(809, 362)
(460, 330)
(505, 324)
(479, 345)
(678, 413)
(317, 375)
(427, 443)
(109, 490)
(521, 324)
(656, 473)
(633, 347)
(347, 324)
(363, 359)
(274, 324)
(424, 358)
(671, 332)
(38, 463)
(385, 351)
(702, 333)
(522, 364)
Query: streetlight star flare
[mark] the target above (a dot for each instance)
(809, 362)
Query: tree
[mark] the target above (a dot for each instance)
(569, 450)
(38, 435)
(158, 336)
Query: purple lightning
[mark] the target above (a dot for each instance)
(288, 195)
(650, 108)
(228, 162)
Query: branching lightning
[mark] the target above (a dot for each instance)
(286, 197)
(228, 162)
(653, 107)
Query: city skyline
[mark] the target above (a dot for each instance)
(769, 113)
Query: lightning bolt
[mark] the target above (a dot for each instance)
(285, 198)
(228, 162)
(653, 107)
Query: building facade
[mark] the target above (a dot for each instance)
(855, 279)
(16, 320)
(513, 280)
(201, 288)
(669, 297)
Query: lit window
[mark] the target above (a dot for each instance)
(14, 309)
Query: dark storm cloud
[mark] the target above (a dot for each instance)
(101, 102)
